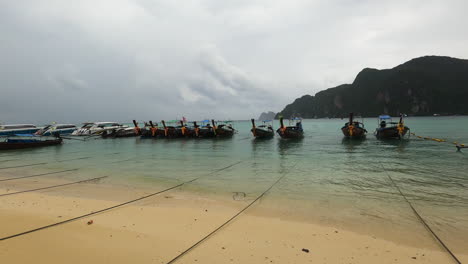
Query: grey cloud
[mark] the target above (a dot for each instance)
(71, 61)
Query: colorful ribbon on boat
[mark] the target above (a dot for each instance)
(153, 131)
(183, 130)
(351, 130)
(400, 128)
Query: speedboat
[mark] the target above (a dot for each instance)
(291, 131)
(262, 131)
(123, 131)
(388, 129)
(61, 129)
(6, 130)
(96, 128)
(353, 129)
(22, 141)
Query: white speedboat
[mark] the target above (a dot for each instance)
(62, 129)
(6, 130)
(96, 128)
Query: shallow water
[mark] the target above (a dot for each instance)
(328, 179)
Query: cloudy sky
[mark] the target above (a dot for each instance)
(116, 60)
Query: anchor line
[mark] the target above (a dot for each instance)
(54, 186)
(36, 175)
(423, 222)
(113, 207)
(229, 220)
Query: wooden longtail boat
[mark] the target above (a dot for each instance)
(263, 131)
(353, 129)
(24, 141)
(170, 131)
(390, 130)
(185, 131)
(152, 131)
(291, 131)
(205, 131)
(222, 130)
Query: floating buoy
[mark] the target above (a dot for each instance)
(90, 222)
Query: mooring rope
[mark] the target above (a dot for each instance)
(20, 166)
(228, 221)
(36, 175)
(115, 206)
(82, 158)
(53, 186)
(8, 160)
(421, 219)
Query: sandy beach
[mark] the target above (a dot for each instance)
(157, 229)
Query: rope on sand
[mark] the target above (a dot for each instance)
(229, 220)
(53, 186)
(428, 228)
(36, 175)
(113, 207)
(20, 166)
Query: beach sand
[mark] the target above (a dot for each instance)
(157, 229)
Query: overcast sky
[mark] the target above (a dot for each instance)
(116, 60)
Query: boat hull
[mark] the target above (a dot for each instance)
(290, 132)
(60, 131)
(355, 132)
(10, 132)
(119, 133)
(224, 132)
(262, 133)
(390, 133)
(24, 144)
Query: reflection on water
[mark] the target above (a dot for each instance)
(288, 146)
(351, 143)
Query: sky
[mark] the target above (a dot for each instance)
(118, 60)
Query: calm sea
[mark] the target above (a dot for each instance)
(328, 180)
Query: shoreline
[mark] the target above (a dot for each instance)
(170, 222)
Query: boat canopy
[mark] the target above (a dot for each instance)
(385, 117)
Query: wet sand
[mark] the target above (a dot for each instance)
(157, 229)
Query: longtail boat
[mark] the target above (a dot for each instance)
(353, 129)
(185, 131)
(223, 130)
(152, 131)
(263, 131)
(295, 131)
(171, 131)
(23, 141)
(205, 130)
(388, 129)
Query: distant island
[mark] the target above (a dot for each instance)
(430, 85)
(267, 116)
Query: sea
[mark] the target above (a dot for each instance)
(324, 178)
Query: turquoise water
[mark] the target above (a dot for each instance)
(328, 179)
